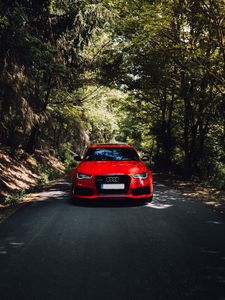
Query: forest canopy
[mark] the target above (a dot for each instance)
(150, 73)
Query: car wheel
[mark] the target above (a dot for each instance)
(71, 197)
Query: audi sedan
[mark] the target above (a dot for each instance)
(112, 171)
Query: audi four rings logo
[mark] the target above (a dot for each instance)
(112, 179)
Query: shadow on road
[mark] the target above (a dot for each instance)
(171, 248)
(107, 203)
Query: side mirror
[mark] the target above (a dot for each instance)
(145, 158)
(77, 158)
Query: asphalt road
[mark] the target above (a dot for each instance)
(173, 248)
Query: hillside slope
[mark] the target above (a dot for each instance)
(24, 171)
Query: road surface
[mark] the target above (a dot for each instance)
(173, 248)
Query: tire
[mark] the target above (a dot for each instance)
(71, 195)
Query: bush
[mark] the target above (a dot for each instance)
(14, 198)
(47, 174)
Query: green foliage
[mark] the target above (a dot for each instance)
(40, 56)
(47, 174)
(101, 107)
(66, 153)
(43, 178)
(4, 22)
(150, 73)
(171, 60)
(14, 198)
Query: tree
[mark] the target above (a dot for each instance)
(41, 46)
(173, 60)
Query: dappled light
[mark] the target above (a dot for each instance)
(158, 205)
(10, 243)
(164, 197)
(77, 220)
(169, 229)
(216, 222)
(15, 176)
(21, 175)
(49, 194)
(194, 190)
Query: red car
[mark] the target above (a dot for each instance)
(112, 171)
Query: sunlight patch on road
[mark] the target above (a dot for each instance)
(215, 222)
(48, 194)
(9, 243)
(44, 195)
(16, 244)
(158, 205)
(213, 203)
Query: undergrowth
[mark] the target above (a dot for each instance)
(14, 197)
(46, 175)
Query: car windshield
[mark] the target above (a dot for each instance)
(103, 154)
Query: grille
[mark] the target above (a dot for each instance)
(112, 179)
(141, 191)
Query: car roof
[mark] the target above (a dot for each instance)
(114, 145)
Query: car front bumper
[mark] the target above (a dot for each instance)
(136, 189)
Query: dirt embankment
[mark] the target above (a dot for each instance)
(23, 172)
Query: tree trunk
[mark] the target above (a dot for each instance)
(30, 147)
(187, 118)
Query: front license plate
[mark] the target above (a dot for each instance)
(117, 186)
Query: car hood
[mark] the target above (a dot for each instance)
(111, 167)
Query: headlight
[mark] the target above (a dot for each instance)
(141, 175)
(83, 176)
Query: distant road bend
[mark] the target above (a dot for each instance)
(173, 248)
